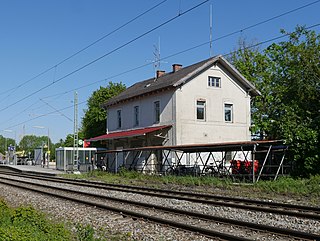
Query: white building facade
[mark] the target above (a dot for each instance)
(208, 102)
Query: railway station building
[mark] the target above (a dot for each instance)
(205, 103)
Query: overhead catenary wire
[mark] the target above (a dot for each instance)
(20, 113)
(142, 14)
(105, 55)
(197, 46)
(46, 114)
(186, 50)
(230, 53)
(167, 57)
(68, 118)
(221, 37)
(268, 20)
(83, 49)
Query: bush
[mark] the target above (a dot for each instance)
(25, 223)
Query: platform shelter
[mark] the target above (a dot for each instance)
(249, 160)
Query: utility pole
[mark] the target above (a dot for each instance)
(48, 153)
(75, 133)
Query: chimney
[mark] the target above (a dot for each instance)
(160, 73)
(176, 67)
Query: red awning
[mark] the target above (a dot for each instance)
(129, 133)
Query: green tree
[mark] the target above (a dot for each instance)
(94, 120)
(5, 142)
(297, 78)
(288, 76)
(69, 141)
(30, 142)
(256, 67)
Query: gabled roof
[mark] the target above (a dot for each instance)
(173, 80)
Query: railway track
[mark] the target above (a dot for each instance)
(196, 222)
(309, 212)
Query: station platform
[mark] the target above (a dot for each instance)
(33, 169)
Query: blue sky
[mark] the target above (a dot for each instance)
(37, 88)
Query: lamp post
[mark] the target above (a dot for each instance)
(48, 144)
(14, 148)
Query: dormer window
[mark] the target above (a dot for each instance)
(214, 81)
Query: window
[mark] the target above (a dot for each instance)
(156, 111)
(201, 109)
(119, 118)
(228, 112)
(136, 115)
(214, 81)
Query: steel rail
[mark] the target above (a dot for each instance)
(261, 227)
(269, 207)
(125, 212)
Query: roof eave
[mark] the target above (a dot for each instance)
(108, 104)
(253, 91)
(197, 71)
(250, 88)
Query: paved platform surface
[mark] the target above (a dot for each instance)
(37, 169)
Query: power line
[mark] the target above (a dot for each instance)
(194, 47)
(105, 55)
(273, 39)
(83, 49)
(112, 32)
(20, 113)
(200, 45)
(68, 118)
(137, 17)
(267, 20)
(43, 115)
(210, 42)
(255, 45)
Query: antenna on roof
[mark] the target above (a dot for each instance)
(157, 59)
(211, 52)
(156, 54)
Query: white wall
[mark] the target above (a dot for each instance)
(214, 128)
(146, 110)
(179, 109)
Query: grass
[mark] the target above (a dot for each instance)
(284, 186)
(26, 223)
(288, 185)
(136, 178)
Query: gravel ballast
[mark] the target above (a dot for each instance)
(139, 229)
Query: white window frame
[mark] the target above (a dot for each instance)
(136, 115)
(201, 104)
(214, 81)
(119, 119)
(156, 109)
(228, 108)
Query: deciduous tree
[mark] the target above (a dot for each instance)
(94, 120)
(30, 142)
(288, 76)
